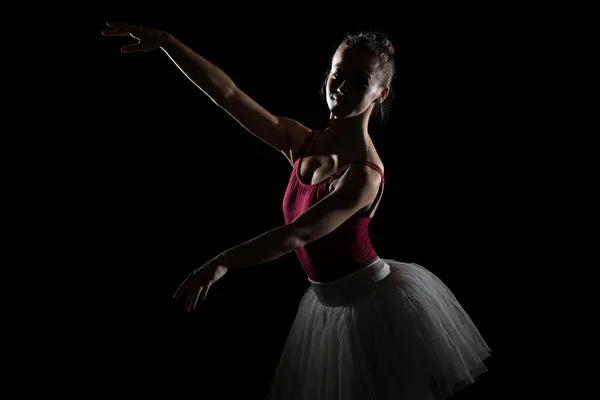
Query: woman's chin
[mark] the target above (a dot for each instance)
(339, 111)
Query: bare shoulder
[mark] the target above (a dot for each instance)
(359, 186)
(366, 174)
(360, 179)
(296, 134)
(375, 159)
(370, 174)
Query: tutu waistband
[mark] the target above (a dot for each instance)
(353, 287)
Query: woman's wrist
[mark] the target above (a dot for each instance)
(167, 40)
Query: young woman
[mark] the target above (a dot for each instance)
(367, 327)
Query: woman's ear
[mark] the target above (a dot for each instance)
(383, 95)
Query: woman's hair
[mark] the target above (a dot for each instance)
(377, 44)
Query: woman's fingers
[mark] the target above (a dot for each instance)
(148, 39)
(118, 29)
(197, 287)
(115, 32)
(117, 24)
(130, 48)
(189, 301)
(136, 47)
(205, 291)
(197, 294)
(121, 29)
(181, 289)
(193, 297)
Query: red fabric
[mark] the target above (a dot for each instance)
(341, 252)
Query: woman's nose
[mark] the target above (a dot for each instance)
(343, 88)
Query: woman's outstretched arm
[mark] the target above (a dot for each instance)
(209, 78)
(357, 189)
(283, 134)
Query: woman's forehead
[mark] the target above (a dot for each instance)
(354, 60)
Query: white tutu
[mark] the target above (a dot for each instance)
(391, 331)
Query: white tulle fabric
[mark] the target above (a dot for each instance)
(391, 331)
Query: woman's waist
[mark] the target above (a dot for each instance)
(327, 264)
(352, 287)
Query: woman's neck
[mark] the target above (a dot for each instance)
(349, 132)
(350, 142)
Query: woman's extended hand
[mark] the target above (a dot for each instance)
(148, 39)
(198, 282)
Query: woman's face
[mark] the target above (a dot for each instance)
(353, 84)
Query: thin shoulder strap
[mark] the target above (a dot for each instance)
(368, 163)
(305, 144)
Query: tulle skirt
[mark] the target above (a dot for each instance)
(390, 331)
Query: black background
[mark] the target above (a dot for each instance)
(147, 179)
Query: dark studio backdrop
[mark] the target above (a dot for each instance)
(168, 181)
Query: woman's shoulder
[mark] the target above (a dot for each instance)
(373, 157)
(296, 134)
